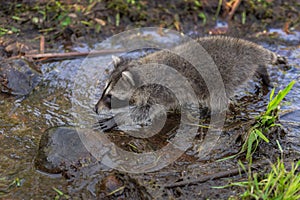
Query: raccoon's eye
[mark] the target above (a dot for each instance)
(107, 100)
(108, 97)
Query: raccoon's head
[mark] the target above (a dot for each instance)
(119, 86)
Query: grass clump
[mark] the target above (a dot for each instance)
(278, 184)
(263, 123)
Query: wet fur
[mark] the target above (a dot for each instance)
(237, 61)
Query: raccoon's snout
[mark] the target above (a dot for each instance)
(104, 102)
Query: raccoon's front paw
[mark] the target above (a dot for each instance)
(106, 124)
(145, 116)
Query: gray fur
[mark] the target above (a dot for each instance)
(237, 61)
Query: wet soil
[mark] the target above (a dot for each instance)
(40, 150)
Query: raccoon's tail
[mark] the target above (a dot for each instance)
(278, 59)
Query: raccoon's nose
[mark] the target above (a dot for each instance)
(104, 102)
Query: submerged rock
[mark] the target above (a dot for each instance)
(61, 151)
(17, 77)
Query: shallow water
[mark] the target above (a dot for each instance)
(66, 96)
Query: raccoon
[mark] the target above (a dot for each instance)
(237, 61)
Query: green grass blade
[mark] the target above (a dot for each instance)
(279, 97)
(261, 135)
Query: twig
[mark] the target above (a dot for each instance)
(202, 179)
(42, 44)
(233, 9)
(72, 54)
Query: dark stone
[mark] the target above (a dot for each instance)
(121, 186)
(61, 151)
(111, 185)
(18, 77)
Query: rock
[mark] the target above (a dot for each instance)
(111, 185)
(17, 77)
(121, 186)
(61, 151)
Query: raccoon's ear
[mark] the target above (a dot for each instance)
(127, 75)
(116, 60)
